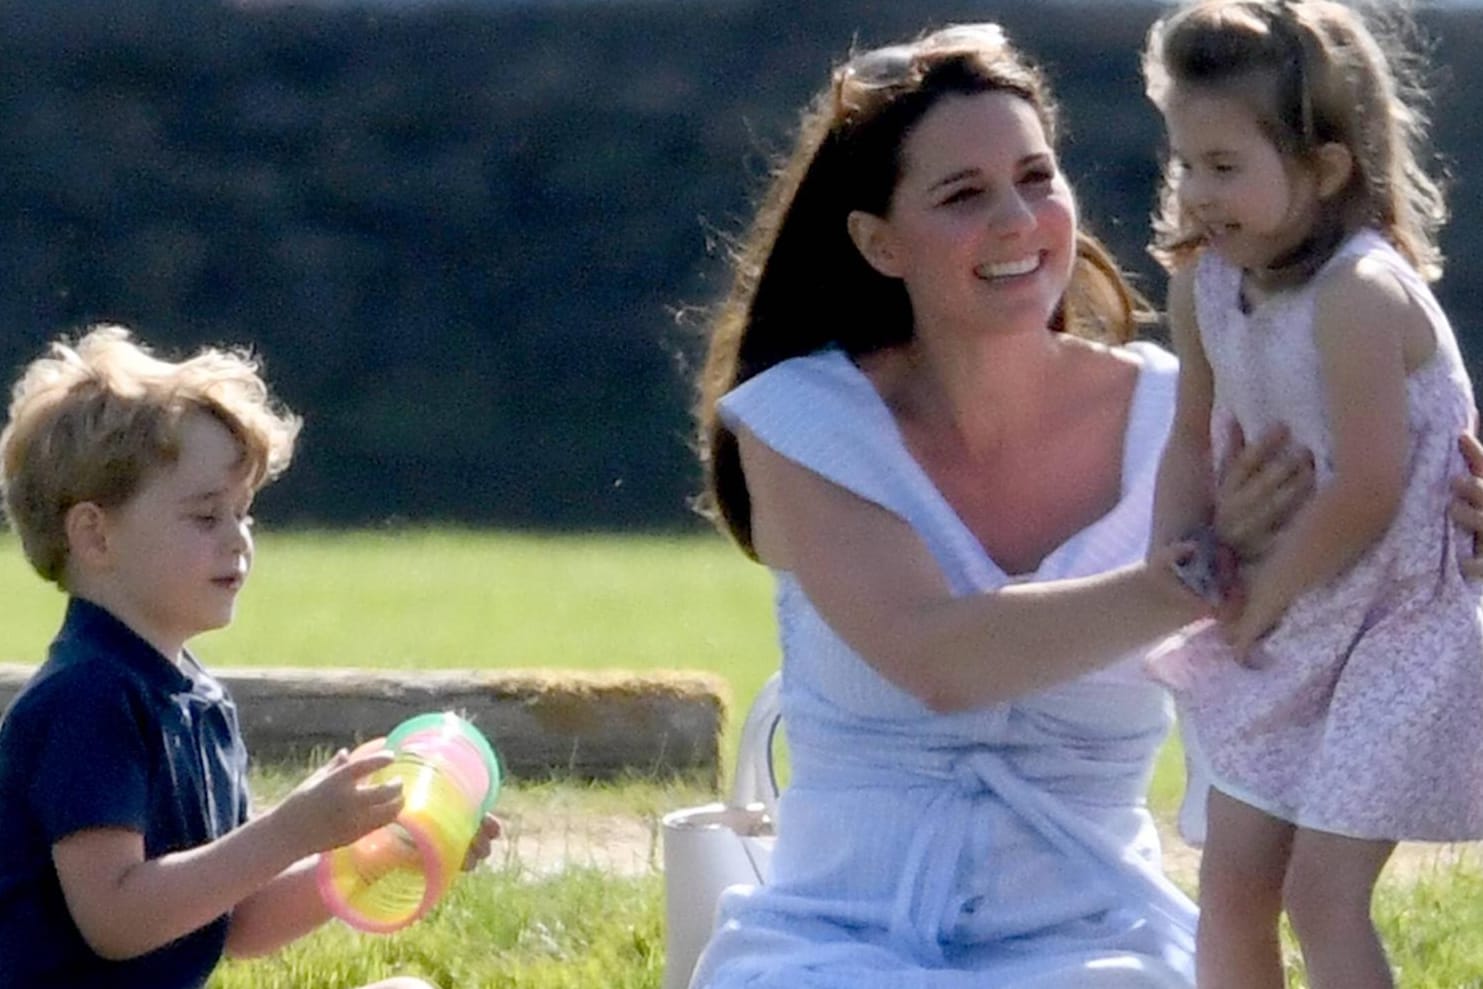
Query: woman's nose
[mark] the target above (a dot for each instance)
(1011, 214)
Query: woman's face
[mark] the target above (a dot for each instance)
(982, 224)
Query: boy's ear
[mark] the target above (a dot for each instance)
(86, 526)
(1335, 166)
(872, 238)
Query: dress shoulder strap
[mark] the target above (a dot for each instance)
(823, 413)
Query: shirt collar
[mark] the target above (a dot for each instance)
(89, 630)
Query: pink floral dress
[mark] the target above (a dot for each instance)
(1365, 717)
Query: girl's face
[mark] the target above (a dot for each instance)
(982, 222)
(1251, 203)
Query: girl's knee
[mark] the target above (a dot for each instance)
(1226, 889)
(1327, 912)
(1241, 879)
(1330, 887)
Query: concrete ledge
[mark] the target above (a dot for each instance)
(544, 723)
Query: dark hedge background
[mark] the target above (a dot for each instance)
(460, 236)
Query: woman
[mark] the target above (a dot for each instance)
(922, 410)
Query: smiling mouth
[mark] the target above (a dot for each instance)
(1008, 269)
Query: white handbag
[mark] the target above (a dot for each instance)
(711, 847)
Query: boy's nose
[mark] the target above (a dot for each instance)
(240, 538)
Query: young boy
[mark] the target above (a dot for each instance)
(127, 853)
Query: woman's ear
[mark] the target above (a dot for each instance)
(872, 238)
(1335, 166)
(86, 526)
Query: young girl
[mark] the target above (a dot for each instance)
(1339, 705)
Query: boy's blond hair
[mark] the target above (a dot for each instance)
(90, 420)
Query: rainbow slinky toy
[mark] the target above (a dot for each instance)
(392, 876)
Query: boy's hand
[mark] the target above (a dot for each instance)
(489, 829)
(334, 805)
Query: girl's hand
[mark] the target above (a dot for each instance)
(1246, 631)
(1467, 502)
(1261, 486)
(1246, 624)
(334, 805)
(489, 829)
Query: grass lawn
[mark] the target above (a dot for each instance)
(439, 599)
(473, 599)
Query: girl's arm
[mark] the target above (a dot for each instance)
(1367, 330)
(126, 905)
(1185, 493)
(876, 584)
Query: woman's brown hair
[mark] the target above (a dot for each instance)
(799, 284)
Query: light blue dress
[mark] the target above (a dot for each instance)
(1006, 846)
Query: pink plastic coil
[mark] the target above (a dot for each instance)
(393, 876)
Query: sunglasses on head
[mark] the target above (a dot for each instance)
(882, 68)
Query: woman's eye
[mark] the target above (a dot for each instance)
(961, 196)
(1039, 176)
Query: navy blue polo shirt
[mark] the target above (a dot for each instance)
(109, 733)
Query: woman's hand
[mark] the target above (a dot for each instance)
(1467, 502)
(1260, 487)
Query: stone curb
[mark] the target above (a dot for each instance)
(543, 723)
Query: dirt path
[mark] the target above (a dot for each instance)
(621, 844)
(541, 844)
(1411, 860)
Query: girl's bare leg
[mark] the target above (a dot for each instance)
(1330, 885)
(1241, 878)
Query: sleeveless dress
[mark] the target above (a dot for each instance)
(1005, 846)
(1366, 716)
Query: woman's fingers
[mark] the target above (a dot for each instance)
(1472, 452)
(1467, 501)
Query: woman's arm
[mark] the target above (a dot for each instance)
(1363, 321)
(876, 584)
